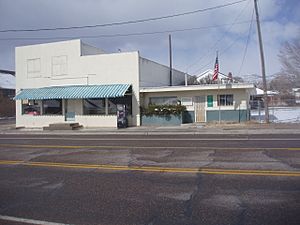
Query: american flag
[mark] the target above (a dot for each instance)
(216, 70)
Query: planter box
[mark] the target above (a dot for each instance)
(170, 120)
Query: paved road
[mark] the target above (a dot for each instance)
(157, 179)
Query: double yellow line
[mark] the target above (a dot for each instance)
(155, 169)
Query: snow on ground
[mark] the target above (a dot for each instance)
(278, 114)
(7, 81)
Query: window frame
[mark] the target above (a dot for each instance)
(225, 100)
(34, 67)
(58, 68)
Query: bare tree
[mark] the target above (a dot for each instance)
(192, 80)
(290, 61)
(282, 83)
(238, 79)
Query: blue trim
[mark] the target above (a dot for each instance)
(170, 120)
(228, 115)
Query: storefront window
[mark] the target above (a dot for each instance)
(30, 107)
(94, 106)
(112, 107)
(113, 102)
(52, 107)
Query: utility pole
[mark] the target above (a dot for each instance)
(263, 70)
(170, 55)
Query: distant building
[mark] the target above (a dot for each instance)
(206, 78)
(296, 92)
(7, 92)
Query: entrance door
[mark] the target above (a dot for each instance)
(69, 112)
(200, 108)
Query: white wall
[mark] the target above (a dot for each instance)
(153, 74)
(97, 120)
(46, 52)
(117, 68)
(75, 63)
(31, 121)
(240, 97)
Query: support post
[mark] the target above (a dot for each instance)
(262, 64)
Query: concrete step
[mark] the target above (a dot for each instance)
(63, 126)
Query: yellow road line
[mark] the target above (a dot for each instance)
(10, 162)
(156, 169)
(141, 147)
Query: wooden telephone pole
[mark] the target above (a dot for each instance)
(263, 70)
(170, 56)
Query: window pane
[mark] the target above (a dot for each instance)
(31, 107)
(112, 107)
(224, 100)
(52, 107)
(94, 106)
(186, 101)
(168, 100)
(229, 100)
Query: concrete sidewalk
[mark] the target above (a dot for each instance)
(192, 129)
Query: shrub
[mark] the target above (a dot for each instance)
(163, 110)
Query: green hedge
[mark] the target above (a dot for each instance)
(163, 110)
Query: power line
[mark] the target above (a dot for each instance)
(120, 34)
(247, 43)
(222, 52)
(125, 22)
(219, 40)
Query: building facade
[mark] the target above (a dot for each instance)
(204, 103)
(70, 81)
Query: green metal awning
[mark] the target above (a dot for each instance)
(74, 92)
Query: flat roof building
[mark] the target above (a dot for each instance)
(72, 81)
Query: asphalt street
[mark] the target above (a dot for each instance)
(157, 179)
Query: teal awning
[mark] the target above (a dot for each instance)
(74, 92)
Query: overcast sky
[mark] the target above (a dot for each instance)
(224, 30)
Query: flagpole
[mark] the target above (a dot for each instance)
(219, 99)
(216, 77)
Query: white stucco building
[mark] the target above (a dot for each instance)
(71, 81)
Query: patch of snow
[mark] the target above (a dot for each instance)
(278, 114)
(7, 81)
(261, 92)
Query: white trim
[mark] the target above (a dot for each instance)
(29, 221)
(196, 87)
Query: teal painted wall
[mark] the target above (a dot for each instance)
(228, 115)
(161, 120)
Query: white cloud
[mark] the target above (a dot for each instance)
(195, 49)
